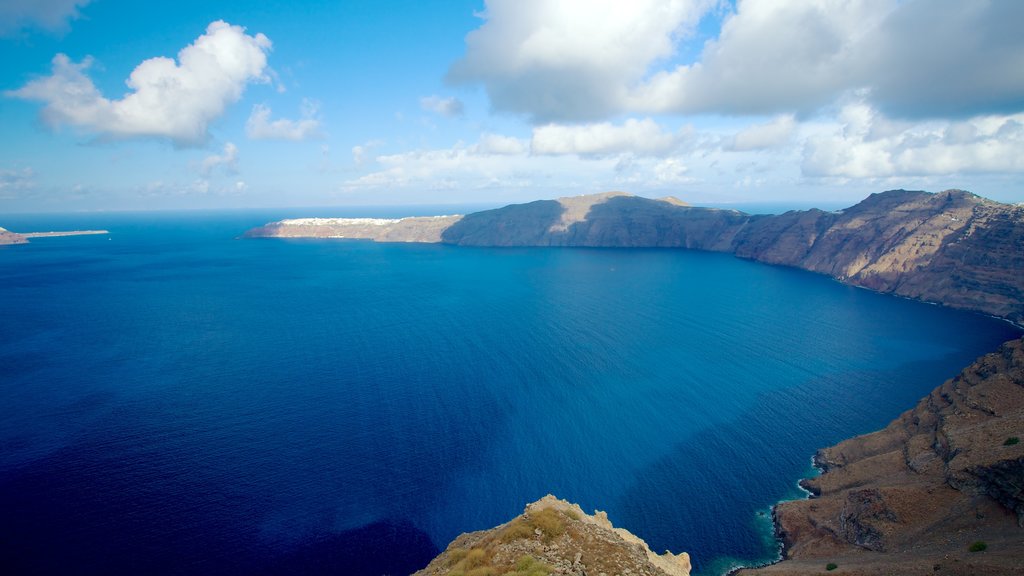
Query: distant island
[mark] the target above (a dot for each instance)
(8, 237)
(952, 248)
(940, 490)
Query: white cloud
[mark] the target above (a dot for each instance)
(261, 127)
(514, 170)
(571, 60)
(167, 99)
(13, 182)
(863, 143)
(447, 107)
(501, 145)
(52, 15)
(671, 171)
(228, 161)
(772, 134)
(360, 151)
(584, 61)
(634, 136)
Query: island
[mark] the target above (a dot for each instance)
(8, 237)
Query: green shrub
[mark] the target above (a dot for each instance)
(831, 566)
(529, 566)
(1011, 441)
(978, 546)
(548, 521)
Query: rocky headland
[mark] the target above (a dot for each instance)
(553, 536)
(940, 490)
(952, 248)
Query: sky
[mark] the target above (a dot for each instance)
(126, 105)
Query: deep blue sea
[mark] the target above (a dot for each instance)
(174, 400)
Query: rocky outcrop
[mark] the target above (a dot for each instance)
(953, 248)
(553, 536)
(8, 237)
(914, 497)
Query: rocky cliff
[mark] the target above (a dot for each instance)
(8, 237)
(553, 536)
(926, 493)
(953, 248)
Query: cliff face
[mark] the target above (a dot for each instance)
(912, 498)
(554, 537)
(8, 237)
(954, 247)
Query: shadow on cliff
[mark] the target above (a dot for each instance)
(514, 225)
(617, 221)
(634, 221)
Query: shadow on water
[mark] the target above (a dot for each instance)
(87, 509)
(717, 486)
(395, 548)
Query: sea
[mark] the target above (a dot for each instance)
(177, 400)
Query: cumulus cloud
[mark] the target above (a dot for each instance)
(447, 107)
(167, 98)
(772, 134)
(227, 161)
(13, 182)
(864, 143)
(571, 60)
(261, 127)
(584, 61)
(502, 163)
(600, 139)
(52, 15)
(500, 145)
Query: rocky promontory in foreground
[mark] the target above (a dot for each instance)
(953, 248)
(938, 491)
(553, 536)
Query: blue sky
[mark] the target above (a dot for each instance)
(111, 104)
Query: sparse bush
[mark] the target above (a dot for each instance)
(831, 566)
(1012, 440)
(529, 566)
(978, 546)
(548, 521)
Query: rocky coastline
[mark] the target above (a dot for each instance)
(952, 248)
(938, 491)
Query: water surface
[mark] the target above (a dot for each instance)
(174, 400)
